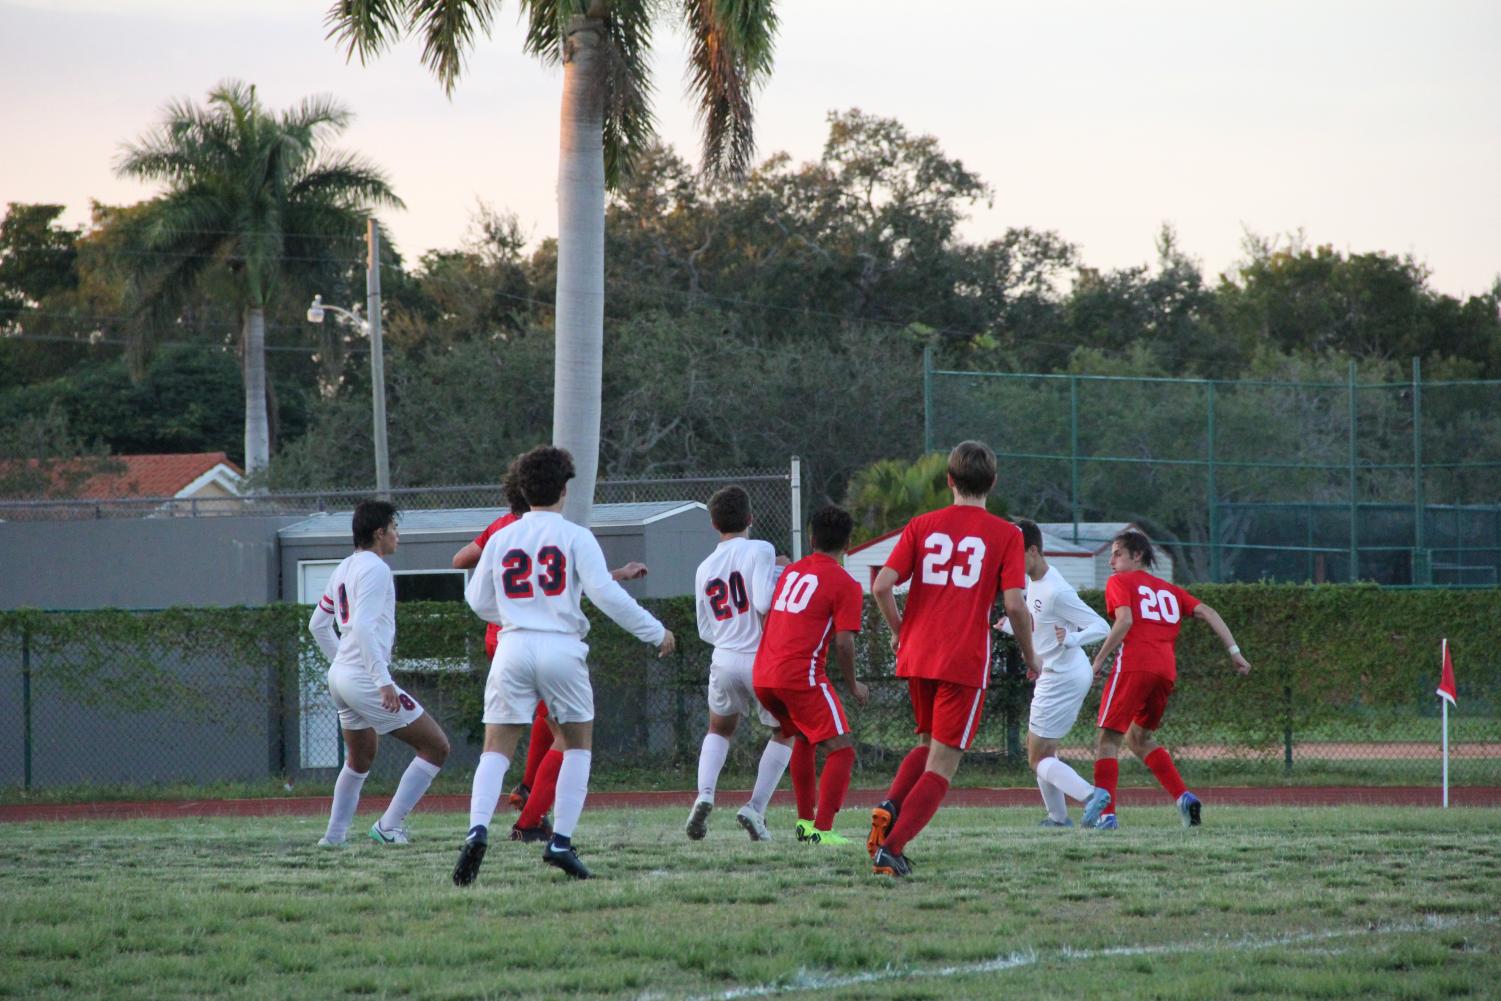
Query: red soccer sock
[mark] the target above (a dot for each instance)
(804, 778)
(1107, 775)
(536, 749)
(907, 774)
(543, 793)
(1162, 766)
(833, 785)
(917, 809)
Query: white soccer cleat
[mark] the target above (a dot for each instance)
(754, 823)
(380, 836)
(698, 820)
(323, 842)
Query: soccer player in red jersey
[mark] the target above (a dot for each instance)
(959, 559)
(534, 795)
(1146, 613)
(817, 607)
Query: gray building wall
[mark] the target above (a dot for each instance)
(139, 562)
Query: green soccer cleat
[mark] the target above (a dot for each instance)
(381, 836)
(805, 831)
(830, 838)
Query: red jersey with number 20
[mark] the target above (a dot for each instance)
(1157, 612)
(959, 558)
(815, 599)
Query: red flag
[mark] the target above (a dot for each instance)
(1446, 689)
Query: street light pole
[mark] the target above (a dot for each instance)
(377, 361)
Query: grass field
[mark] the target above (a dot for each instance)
(1258, 903)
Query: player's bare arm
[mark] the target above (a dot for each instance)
(1113, 639)
(844, 653)
(633, 570)
(668, 645)
(467, 558)
(1015, 601)
(1213, 620)
(883, 589)
(389, 700)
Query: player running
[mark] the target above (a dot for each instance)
(733, 589)
(1061, 625)
(1147, 612)
(959, 559)
(818, 607)
(361, 598)
(533, 795)
(529, 580)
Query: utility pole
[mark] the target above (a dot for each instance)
(377, 360)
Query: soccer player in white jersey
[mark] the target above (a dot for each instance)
(1061, 625)
(529, 581)
(361, 599)
(732, 594)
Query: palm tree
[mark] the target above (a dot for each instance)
(253, 195)
(602, 46)
(888, 493)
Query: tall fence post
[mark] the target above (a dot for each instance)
(797, 508)
(1422, 566)
(1287, 729)
(1354, 455)
(1073, 450)
(927, 399)
(26, 707)
(1214, 502)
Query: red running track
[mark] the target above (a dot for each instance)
(1482, 796)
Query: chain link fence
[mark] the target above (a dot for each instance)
(1398, 483)
(211, 696)
(776, 500)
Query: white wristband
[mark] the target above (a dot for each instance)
(1234, 649)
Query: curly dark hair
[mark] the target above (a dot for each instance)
(831, 526)
(542, 474)
(515, 499)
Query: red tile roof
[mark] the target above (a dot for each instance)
(143, 476)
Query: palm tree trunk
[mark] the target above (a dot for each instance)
(581, 261)
(257, 428)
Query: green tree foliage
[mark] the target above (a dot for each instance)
(887, 494)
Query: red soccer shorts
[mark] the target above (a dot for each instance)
(541, 713)
(1134, 697)
(816, 713)
(949, 713)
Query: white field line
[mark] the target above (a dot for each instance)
(806, 980)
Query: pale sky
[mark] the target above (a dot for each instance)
(1368, 125)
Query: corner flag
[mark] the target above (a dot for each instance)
(1446, 689)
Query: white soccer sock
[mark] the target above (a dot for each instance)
(414, 782)
(1061, 775)
(489, 779)
(573, 786)
(710, 763)
(1052, 797)
(346, 800)
(773, 763)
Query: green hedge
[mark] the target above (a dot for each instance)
(1322, 655)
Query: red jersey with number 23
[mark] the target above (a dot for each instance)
(815, 599)
(959, 558)
(1158, 609)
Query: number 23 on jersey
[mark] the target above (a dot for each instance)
(945, 562)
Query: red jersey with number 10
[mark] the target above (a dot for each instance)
(959, 558)
(1157, 612)
(815, 599)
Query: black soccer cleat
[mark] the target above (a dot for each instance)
(566, 859)
(542, 832)
(887, 863)
(471, 855)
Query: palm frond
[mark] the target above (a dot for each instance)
(344, 178)
(317, 116)
(448, 29)
(545, 21)
(629, 123)
(364, 27)
(730, 49)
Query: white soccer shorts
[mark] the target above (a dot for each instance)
(1058, 696)
(531, 665)
(357, 697)
(731, 691)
